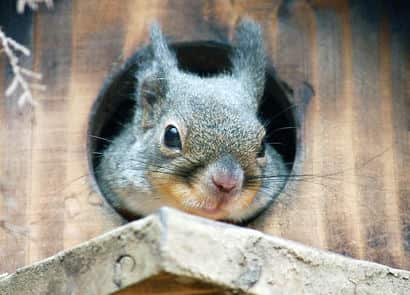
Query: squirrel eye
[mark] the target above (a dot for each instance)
(261, 152)
(171, 137)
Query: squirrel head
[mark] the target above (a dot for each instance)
(203, 145)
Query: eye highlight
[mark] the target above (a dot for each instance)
(172, 139)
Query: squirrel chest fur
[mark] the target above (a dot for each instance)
(195, 143)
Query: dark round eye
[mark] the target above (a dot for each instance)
(171, 137)
(261, 152)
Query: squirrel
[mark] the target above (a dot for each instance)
(195, 143)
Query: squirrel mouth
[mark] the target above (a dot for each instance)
(211, 210)
(217, 208)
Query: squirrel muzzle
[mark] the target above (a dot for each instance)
(225, 178)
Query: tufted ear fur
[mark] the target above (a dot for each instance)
(248, 59)
(152, 82)
(150, 96)
(165, 58)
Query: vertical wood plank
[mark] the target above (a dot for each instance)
(52, 48)
(391, 210)
(400, 99)
(330, 141)
(299, 211)
(370, 132)
(350, 187)
(97, 40)
(15, 139)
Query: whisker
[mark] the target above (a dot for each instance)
(275, 143)
(102, 138)
(283, 111)
(282, 128)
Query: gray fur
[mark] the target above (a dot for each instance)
(218, 114)
(249, 60)
(160, 50)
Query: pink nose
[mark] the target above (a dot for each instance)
(225, 183)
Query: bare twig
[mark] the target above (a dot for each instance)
(11, 48)
(32, 4)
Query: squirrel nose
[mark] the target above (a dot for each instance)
(225, 183)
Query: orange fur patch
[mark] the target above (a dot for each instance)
(192, 199)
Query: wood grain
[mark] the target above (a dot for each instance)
(356, 129)
(169, 284)
(15, 161)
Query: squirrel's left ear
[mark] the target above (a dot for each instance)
(249, 59)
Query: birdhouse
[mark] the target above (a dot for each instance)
(337, 92)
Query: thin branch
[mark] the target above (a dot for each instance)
(11, 48)
(32, 4)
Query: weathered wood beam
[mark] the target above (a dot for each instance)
(223, 255)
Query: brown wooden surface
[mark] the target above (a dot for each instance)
(170, 284)
(356, 128)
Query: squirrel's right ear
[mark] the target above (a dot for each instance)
(160, 50)
(153, 81)
(248, 59)
(150, 96)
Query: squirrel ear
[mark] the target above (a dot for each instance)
(248, 59)
(152, 82)
(150, 96)
(161, 53)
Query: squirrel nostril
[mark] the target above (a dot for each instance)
(225, 183)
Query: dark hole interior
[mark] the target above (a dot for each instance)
(114, 106)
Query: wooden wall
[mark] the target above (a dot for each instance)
(355, 199)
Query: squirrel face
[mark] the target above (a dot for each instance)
(195, 143)
(211, 147)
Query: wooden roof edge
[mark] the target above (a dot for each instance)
(189, 246)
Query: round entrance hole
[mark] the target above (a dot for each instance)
(115, 106)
